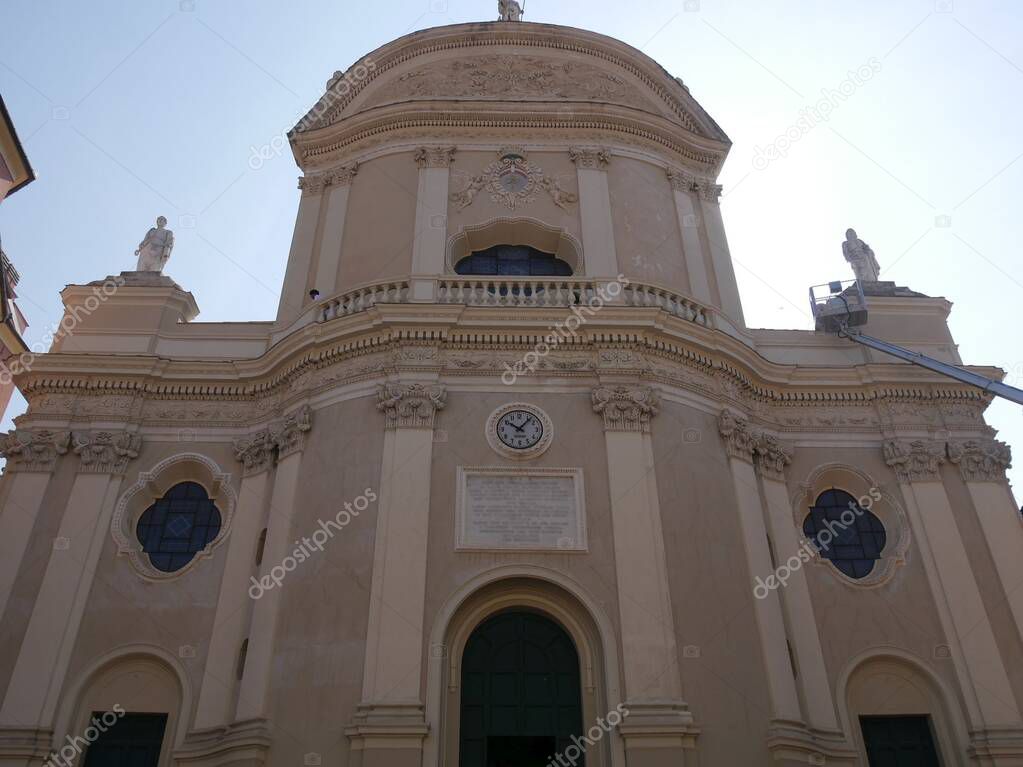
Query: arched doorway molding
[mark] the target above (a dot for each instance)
(153, 672)
(911, 687)
(521, 588)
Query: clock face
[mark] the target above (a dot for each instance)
(519, 429)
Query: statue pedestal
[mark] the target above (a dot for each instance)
(121, 314)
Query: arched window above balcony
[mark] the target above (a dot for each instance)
(513, 261)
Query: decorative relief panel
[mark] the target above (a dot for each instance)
(625, 408)
(504, 76)
(513, 181)
(916, 460)
(411, 406)
(106, 452)
(33, 449)
(981, 460)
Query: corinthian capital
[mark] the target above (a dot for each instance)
(771, 457)
(255, 452)
(740, 439)
(708, 190)
(343, 176)
(288, 434)
(434, 156)
(681, 180)
(33, 449)
(411, 406)
(916, 460)
(106, 452)
(595, 158)
(625, 408)
(980, 460)
(313, 183)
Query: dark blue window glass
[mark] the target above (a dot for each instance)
(178, 526)
(513, 261)
(854, 542)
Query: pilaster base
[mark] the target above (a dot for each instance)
(387, 735)
(242, 744)
(25, 747)
(658, 733)
(997, 747)
(793, 744)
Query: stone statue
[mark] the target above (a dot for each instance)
(510, 10)
(860, 257)
(155, 248)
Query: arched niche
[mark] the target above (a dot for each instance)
(138, 679)
(871, 496)
(516, 231)
(521, 589)
(151, 486)
(892, 682)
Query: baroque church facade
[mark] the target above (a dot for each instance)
(508, 480)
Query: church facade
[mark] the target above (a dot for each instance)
(508, 480)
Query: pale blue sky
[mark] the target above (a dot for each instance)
(129, 110)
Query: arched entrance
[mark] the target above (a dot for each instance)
(521, 695)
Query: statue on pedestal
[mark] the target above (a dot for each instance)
(860, 257)
(510, 10)
(155, 248)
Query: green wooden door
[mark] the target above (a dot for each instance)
(521, 697)
(899, 741)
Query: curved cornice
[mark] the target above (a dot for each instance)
(458, 342)
(690, 124)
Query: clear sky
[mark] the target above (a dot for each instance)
(129, 110)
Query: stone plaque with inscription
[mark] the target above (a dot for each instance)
(523, 509)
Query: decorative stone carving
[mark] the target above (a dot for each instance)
(860, 257)
(981, 460)
(509, 10)
(625, 408)
(33, 450)
(411, 406)
(708, 190)
(434, 156)
(916, 460)
(771, 457)
(288, 434)
(255, 452)
(106, 452)
(343, 176)
(513, 182)
(316, 183)
(740, 439)
(595, 158)
(681, 180)
(155, 248)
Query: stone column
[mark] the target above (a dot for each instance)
(659, 729)
(992, 707)
(234, 603)
(45, 652)
(595, 211)
(685, 187)
(720, 257)
(294, 297)
(31, 458)
(982, 464)
(288, 438)
(389, 726)
(824, 740)
(329, 257)
(741, 443)
(431, 219)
